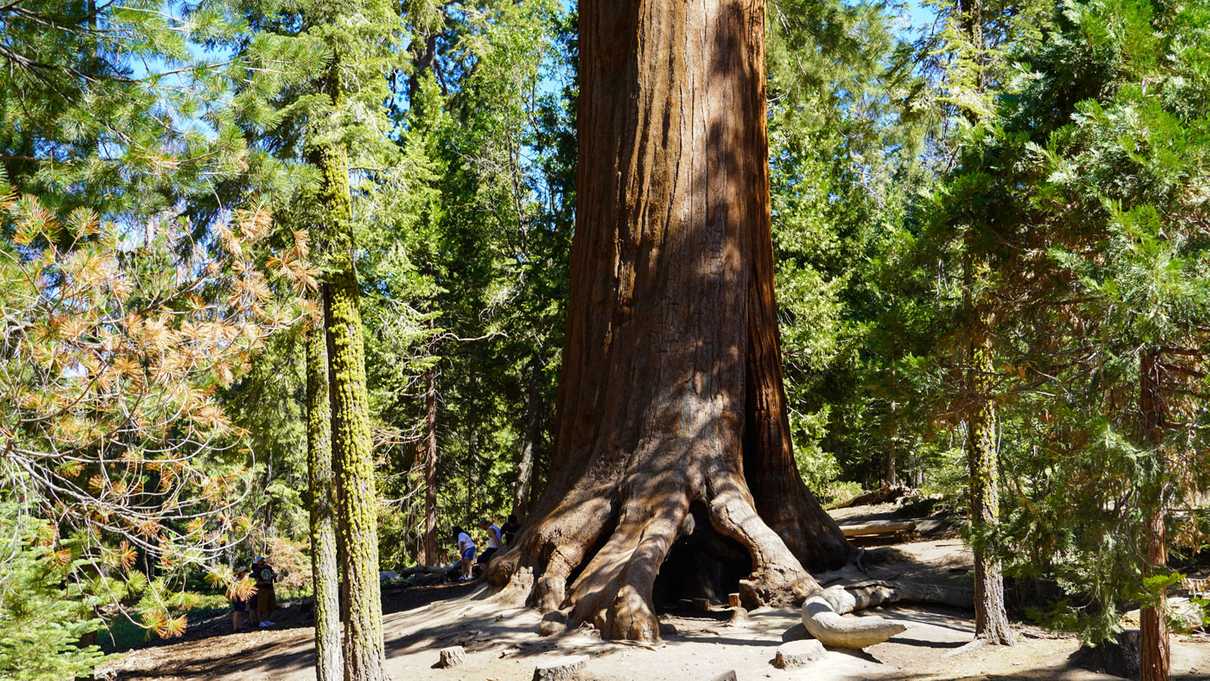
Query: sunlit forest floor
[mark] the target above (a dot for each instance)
(502, 642)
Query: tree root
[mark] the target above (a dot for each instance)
(613, 590)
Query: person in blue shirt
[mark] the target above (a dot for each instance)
(466, 553)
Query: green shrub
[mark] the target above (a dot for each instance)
(43, 615)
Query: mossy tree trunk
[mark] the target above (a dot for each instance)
(671, 405)
(321, 487)
(991, 618)
(352, 450)
(982, 455)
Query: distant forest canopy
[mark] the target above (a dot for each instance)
(1042, 192)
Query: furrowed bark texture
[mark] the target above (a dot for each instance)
(430, 469)
(671, 389)
(352, 452)
(1155, 656)
(991, 619)
(321, 484)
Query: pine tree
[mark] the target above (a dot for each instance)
(1082, 183)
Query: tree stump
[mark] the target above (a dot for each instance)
(451, 657)
(561, 668)
(798, 654)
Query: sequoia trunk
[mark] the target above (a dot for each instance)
(320, 485)
(671, 410)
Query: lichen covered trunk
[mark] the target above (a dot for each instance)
(991, 618)
(321, 488)
(671, 392)
(352, 451)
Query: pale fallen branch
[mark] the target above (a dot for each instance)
(823, 616)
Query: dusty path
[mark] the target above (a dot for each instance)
(502, 642)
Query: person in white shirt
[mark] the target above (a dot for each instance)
(466, 553)
(494, 540)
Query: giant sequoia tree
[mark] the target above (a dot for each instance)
(672, 419)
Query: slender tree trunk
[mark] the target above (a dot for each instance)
(352, 451)
(536, 409)
(991, 619)
(1155, 653)
(671, 389)
(890, 476)
(430, 468)
(320, 482)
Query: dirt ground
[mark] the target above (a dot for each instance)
(502, 642)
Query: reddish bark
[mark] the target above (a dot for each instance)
(1155, 653)
(671, 388)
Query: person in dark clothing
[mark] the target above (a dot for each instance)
(239, 605)
(266, 599)
(510, 529)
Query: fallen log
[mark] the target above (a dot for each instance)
(879, 528)
(883, 495)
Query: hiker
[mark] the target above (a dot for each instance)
(266, 599)
(239, 605)
(510, 529)
(493, 540)
(466, 553)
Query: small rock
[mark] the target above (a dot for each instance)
(733, 601)
(725, 676)
(553, 622)
(739, 614)
(668, 629)
(798, 654)
(451, 657)
(568, 668)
